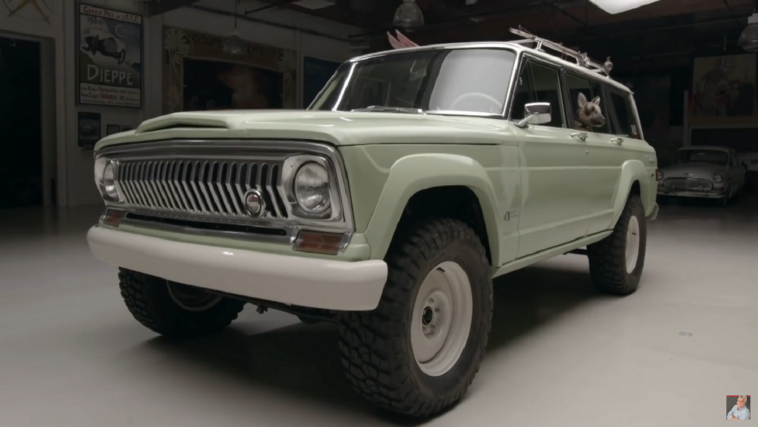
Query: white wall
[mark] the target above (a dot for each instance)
(73, 166)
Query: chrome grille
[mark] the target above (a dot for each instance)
(684, 184)
(200, 187)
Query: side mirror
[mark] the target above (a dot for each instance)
(536, 113)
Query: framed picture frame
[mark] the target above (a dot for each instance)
(89, 129)
(110, 52)
(111, 129)
(724, 90)
(199, 75)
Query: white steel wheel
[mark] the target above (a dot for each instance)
(441, 319)
(632, 244)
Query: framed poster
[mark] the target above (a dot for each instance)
(199, 75)
(111, 129)
(110, 57)
(724, 89)
(316, 73)
(89, 129)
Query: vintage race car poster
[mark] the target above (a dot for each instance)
(110, 57)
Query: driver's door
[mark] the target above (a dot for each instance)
(553, 164)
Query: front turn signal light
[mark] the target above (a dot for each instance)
(319, 243)
(113, 217)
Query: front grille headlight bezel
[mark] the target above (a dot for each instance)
(285, 157)
(293, 165)
(106, 171)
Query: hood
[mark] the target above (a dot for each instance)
(693, 170)
(338, 128)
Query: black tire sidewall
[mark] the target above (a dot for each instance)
(148, 299)
(608, 257)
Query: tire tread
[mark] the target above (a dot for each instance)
(372, 343)
(148, 300)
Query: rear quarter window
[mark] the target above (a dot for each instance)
(622, 119)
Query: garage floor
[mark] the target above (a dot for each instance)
(559, 355)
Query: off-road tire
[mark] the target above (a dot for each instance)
(376, 347)
(148, 299)
(608, 256)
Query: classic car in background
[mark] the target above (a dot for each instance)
(703, 172)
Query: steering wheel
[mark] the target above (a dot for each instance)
(466, 96)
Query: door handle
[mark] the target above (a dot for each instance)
(579, 135)
(618, 141)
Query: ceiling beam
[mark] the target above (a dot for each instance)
(155, 8)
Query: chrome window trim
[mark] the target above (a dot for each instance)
(517, 52)
(523, 60)
(254, 150)
(517, 46)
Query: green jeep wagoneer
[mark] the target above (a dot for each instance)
(388, 207)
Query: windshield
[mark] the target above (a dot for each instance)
(713, 157)
(457, 80)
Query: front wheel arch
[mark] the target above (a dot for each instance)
(412, 175)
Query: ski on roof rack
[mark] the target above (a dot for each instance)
(581, 58)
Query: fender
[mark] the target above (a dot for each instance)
(419, 172)
(632, 170)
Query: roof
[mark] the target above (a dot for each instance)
(515, 46)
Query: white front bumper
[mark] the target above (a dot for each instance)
(307, 282)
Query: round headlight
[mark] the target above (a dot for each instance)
(312, 189)
(109, 181)
(717, 178)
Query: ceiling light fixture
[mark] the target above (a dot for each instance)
(749, 37)
(620, 6)
(408, 15)
(234, 45)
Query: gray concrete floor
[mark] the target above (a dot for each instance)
(559, 354)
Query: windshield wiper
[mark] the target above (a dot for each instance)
(383, 109)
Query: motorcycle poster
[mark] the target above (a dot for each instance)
(110, 57)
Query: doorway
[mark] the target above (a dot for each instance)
(21, 153)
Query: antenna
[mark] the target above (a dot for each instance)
(581, 58)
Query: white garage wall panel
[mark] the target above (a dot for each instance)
(74, 166)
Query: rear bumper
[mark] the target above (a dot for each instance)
(694, 194)
(307, 282)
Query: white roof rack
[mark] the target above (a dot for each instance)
(562, 51)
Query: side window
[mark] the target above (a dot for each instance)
(538, 83)
(623, 122)
(588, 106)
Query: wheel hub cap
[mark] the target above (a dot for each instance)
(441, 318)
